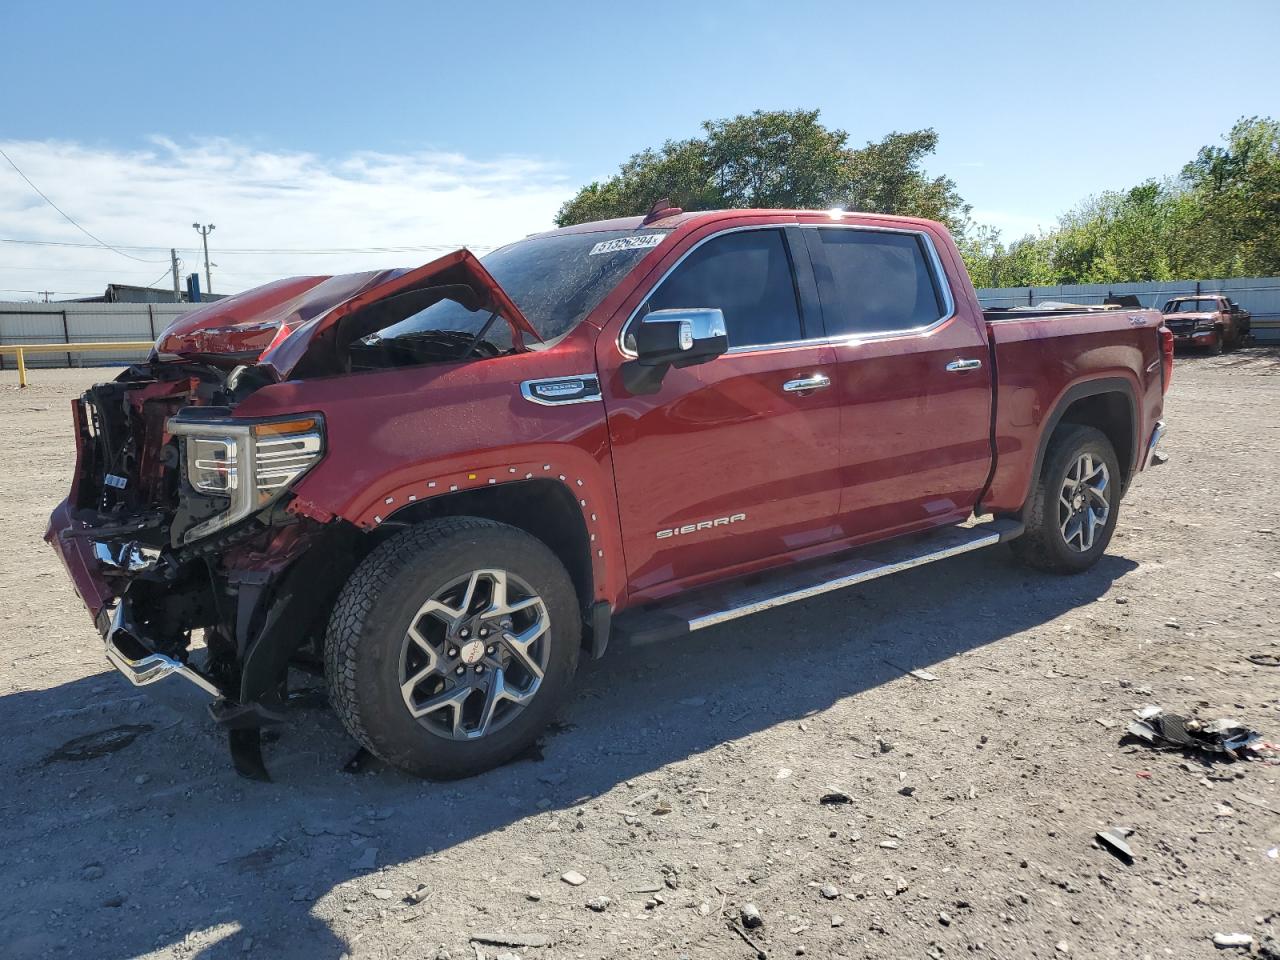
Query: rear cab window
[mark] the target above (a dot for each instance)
(876, 281)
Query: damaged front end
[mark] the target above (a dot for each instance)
(178, 535)
(181, 533)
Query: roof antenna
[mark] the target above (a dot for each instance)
(660, 210)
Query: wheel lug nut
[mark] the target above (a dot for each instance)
(464, 632)
(492, 649)
(484, 632)
(506, 624)
(479, 668)
(453, 651)
(460, 671)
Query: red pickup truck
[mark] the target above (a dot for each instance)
(441, 486)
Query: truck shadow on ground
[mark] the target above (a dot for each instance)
(149, 841)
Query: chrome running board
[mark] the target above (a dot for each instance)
(722, 603)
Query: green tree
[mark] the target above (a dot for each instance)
(780, 158)
(1219, 218)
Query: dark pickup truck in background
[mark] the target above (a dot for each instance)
(1209, 321)
(440, 485)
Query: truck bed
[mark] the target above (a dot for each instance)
(1043, 361)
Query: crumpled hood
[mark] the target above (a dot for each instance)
(274, 324)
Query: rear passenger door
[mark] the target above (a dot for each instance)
(735, 460)
(914, 380)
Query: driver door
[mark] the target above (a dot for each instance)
(733, 461)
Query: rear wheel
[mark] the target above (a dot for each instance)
(1075, 503)
(452, 645)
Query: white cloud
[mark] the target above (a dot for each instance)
(258, 199)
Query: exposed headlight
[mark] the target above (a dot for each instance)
(247, 464)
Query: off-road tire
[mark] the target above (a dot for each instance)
(1042, 545)
(373, 612)
(1215, 349)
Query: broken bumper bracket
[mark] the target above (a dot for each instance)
(141, 666)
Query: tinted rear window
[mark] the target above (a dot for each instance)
(880, 282)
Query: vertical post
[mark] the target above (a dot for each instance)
(22, 368)
(151, 320)
(66, 336)
(173, 259)
(208, 275)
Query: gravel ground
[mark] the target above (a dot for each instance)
(683, 781)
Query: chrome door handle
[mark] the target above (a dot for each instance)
(817, 382)
(958, 366)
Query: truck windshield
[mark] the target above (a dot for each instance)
(1191, 306)
(555, 280)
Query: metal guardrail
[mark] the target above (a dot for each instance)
(22, 349)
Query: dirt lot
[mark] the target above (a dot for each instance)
(684, 780)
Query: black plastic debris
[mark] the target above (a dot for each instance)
(1264, 659)
(834, 797)
(1114, 841)
(1173, 732)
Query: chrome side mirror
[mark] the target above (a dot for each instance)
(673, 338)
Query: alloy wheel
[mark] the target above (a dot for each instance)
(474, 654)
(1084, 502)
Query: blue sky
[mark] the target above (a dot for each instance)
(401, 107)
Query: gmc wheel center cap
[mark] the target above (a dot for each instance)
(472, 651)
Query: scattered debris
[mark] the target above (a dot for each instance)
(750, 916)
(1109, 724)
(98, 744)
(1062, 946)
(599, 904)
(418, 895)
(760, 954)
(512, 939)
(889, 844)
(944, 918)
(918, 674)
(573, 878)
(1264, 659)
(783, 773)
(829, 891)
(1226, 940)
(1114, 841)
(1171, 731)
(906, 791)
(834, 797)
(367, 860)
(1257, 802)
(837, 920)
(381, 893)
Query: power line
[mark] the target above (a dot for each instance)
(67, 217)
(273, 251)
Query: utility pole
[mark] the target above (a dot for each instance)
(204, 235)
(173, 258)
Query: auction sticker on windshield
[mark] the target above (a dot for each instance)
(627, 243)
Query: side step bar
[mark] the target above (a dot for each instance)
(724, 602)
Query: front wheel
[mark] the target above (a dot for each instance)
(452, 645)
(1075, 503)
